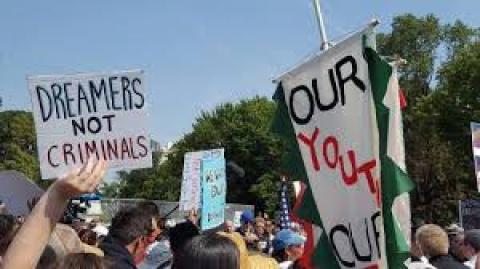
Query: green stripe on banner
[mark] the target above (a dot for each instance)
(292, 163)
(393, 180)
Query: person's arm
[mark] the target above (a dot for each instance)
(29, 243)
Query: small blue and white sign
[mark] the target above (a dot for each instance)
(214, 189)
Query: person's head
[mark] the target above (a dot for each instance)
(209, 251)
(8, 228)
(269, 227)
(228, 226)
(48, 260)
(180, 234)
(288, 245)
(455, 240)
(132, 229)
(414, 248)
(241, 246)
(432, 240)
(471, 243)
(260, 226)
(151, 209)
(81, 261)
(246, 218)
(88, 237)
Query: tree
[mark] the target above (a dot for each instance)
(436, 121)
(243, 129)
(415, 39)
(18, 144)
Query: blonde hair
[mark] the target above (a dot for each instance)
(432, 239)
(242, 248)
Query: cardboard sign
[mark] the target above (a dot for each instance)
(213, 193)
(90, 115)
(190, 195)
(331, 108)
(476, 150)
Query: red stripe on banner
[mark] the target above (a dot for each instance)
(403, 99)
(309, 247)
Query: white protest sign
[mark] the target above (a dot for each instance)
(191, 193)
(101, 115)
(331, 108)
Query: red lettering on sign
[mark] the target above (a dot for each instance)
(352, 178)
(349, 169)
(310, 142)
(330, 140)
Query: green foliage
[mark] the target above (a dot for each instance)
(415, 40)
(437, 119)
(18, 144)
(243, 129)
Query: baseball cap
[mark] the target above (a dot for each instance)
(286, 238)
(246, 217)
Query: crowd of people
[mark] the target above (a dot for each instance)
(451, 248)
(139, 237)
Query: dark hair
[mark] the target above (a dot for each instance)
(149, 208)
(88, 237)
(81, 261)
(472, 238)
(48, 260)
(8, 227)
(130, 224)
(279, 255)
(211, 251)
(181, 233)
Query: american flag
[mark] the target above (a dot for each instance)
(285, 222)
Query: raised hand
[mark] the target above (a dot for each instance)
(24, 252)
(81, 180)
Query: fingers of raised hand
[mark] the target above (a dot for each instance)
(84, 179)
(91, 175)
(97, 175)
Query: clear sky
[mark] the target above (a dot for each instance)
(195, 54)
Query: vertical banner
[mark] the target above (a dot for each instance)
(331, 109)
(340, 116)
(190, 194)
(476, 150)
(99, 115)
(213, 193)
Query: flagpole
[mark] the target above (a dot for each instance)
(321, 25)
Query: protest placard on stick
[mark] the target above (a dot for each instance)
(213, 193)
(82, 116)
(190, 194)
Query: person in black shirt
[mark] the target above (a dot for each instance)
(127, 239)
